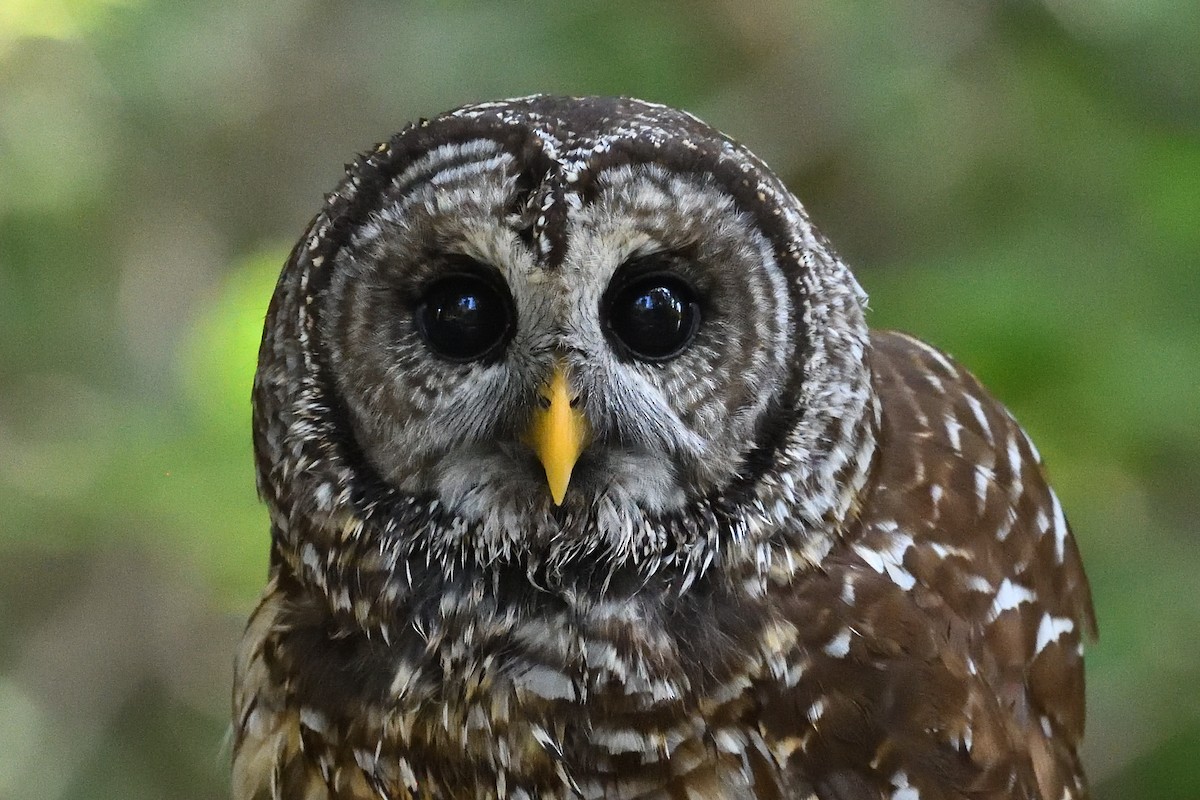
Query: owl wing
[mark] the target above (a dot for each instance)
(941, 653)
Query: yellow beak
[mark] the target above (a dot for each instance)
(558, 434)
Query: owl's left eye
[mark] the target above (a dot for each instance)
(464, 317)
(653, 317)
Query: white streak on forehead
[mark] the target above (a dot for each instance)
(469, 169)
(452, 202)
(452, 190)
(441, 155)
(468, 213)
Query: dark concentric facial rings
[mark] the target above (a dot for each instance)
(597, 304)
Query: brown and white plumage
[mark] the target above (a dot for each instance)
(794, 559)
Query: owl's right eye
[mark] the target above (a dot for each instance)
(465, 317)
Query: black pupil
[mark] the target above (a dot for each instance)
(463, 317)
(654, 317)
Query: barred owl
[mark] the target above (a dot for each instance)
(587, 479)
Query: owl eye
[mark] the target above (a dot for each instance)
(653, 317)
(464, 317)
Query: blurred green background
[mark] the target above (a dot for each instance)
(1018, 182)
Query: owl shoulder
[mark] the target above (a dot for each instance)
(279, 749)
(958, 479)
(962, 521)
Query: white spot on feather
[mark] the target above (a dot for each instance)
(953, 426)
(945, 551)
(1037, 457)
(1050, 629)
(933, 353)
(889, 559)
(983, 478)
(313, 720)
(623, 740)
(1014, 459)
(403, 678)
(1009, 596)
(839, 645)
(978, 583)
(729, 740)
(1060, 527)
(904, 791)
(981, 418)
(848, 589)
(549, 684)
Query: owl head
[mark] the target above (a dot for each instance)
(564, 334)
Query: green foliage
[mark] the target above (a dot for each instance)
(1017, 182)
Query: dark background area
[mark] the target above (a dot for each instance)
(1017, 182)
